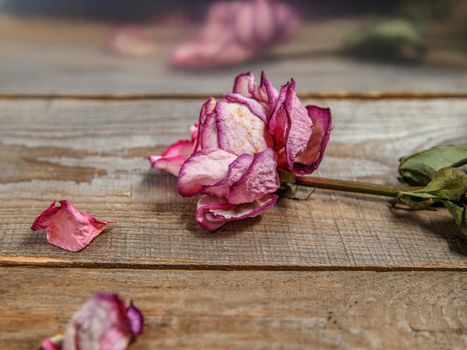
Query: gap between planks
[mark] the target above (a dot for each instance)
(365, 95)
(18, 261)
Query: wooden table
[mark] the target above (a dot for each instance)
(337, 271)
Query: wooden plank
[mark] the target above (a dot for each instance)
(248, 310)
(93, 153)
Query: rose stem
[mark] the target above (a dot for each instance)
(351, 186)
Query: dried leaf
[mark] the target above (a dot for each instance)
(449, 188)
(419, 168)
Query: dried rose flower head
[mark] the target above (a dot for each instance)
(238, 145)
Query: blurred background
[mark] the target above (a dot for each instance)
(197, 46)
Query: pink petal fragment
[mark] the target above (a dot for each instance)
(237, 169)
(260, 178)
(173, 157)
(102, 323)
(203, 168)
(213, 213)
(239, 130)
(67, 228)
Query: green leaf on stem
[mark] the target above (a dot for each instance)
(448, 187)
(419, 168)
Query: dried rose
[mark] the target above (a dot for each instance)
(236, 31)
(67, 228)
(240, 143)
(102, 323)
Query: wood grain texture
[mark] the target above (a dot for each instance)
(248, 310)
(93, 153)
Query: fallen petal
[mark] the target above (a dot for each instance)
(67, 228)
(214, 213)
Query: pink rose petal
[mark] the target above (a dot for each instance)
(203, 168)
(265, 93)
(237, 169)
(67, 228)
(254, 106)
(239, 130)
(244, 84)
(311, 157)
(173, 157)
(298, 131)
(207, 130)
(260, 178)
(213, 213)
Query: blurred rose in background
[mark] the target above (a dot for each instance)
(147, 46)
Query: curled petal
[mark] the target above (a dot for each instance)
(311, 157)
(260, 178)
(278, 122)
(265, 93)
(207, 130)
(213, 213)
(237, 169)
(173, 157)
(203, 168)
(136, 319)
(239, 130)
(298, 131)
(67, 228)
(244, 84)
(102, 323)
